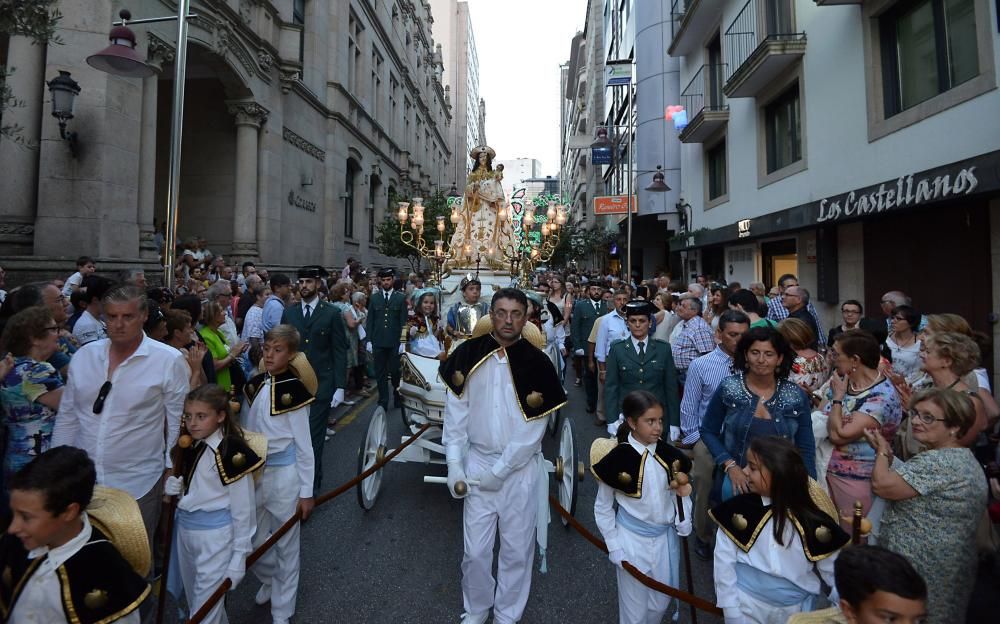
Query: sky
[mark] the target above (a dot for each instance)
(521, 44)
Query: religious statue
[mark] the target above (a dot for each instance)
(484, 224)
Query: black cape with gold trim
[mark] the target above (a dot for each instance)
(97, 584)
(288, 393)
(234, 459)
(743, 517)
(536, 383)
(623, 467)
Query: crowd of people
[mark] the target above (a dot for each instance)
(742, 391)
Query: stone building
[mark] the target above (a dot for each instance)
(301, 119)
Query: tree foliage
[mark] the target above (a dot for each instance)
(37, 20)
(387, 233)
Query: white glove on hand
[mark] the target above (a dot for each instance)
(368, 347)
(616, 556)
(733, 615)
(675, 433)
(174, 486)
(455, 474)
(402, 349)
(237, 569)
(338, 398)
(684, 528)
(413, 331)
(579, 352)
(489, 482)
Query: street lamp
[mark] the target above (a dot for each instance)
(120, 59)
(64, 91)
(658, 185)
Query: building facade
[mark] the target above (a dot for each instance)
(855, 145)
(301, 119)
(454, 33)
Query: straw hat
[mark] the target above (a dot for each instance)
(530, 333)
(304, 371)
(601, 447)
(116, 514)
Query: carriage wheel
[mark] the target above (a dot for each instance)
(566, 469)
(373, 449)
(552, 425)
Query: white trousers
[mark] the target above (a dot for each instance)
(757, 611)
(202, 560)
(512, 510)
(277, 495)
(655, 557)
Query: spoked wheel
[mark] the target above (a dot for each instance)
(552, 426)
(373, 449)
(568, 472)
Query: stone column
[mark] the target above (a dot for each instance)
(250, 116)
(19, 163)
(158, 53)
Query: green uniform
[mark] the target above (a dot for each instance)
(654, 372)
(386, 318)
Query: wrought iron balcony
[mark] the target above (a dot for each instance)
(760, 44)
(692, 22)
(705, 103)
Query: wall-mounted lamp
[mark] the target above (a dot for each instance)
(64, 91)
(453, 191)
(682, 214)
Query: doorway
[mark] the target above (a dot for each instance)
(778, 258)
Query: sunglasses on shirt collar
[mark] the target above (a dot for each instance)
(102, 395)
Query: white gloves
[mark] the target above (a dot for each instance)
(579, 352)
(455, 474)
(413, 331)
(174, 486)
(338, 398)
(237, 569)
(675, 433)
(616, 556)
(489, 482)
(402, 348)
(684, 528)
(368, 347)
(734, 615)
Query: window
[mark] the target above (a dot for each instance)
(352, 172)
(373, 187)
(376, 84)
(353, 55)
(299, 17)
(783, 132)
(716, 72)
(928, 47)
(715, 159)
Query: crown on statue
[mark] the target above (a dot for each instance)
(479, 149)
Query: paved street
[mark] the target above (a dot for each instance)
(400, 562)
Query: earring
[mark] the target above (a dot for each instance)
(854, 369)
(953, 433)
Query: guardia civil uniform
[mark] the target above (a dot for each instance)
(387, 314)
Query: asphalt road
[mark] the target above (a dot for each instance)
(400, 562)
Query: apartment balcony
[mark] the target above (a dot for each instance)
(836, 2)
(760, 45)
(706, 106)
(693, 21)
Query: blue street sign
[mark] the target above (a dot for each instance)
(600, 156)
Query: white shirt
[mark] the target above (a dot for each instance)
(282, 430)
(126, 440)
(311, 305)
(40, 599)
(207, 493)
(613, 327)
(487, 417)
(228, 330)
(88, 329)
(657, 506)
(73, 280)
(788, 561)
(645, 349)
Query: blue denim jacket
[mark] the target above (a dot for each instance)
(726, 426)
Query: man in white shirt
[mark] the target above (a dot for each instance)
(613, 327)
(222, 293)
(123, 403)
(89, 326)
(501, 389)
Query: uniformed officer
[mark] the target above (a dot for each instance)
(640, 362)
(387, 314)
(324, 341)
(585, 314)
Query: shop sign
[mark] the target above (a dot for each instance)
(905, 191)
(613, 204)
(618, 73)
(744, 228)
(301, 202)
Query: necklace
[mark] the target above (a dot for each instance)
(912, 341)
(853, 389)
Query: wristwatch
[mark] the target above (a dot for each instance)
(837, 402)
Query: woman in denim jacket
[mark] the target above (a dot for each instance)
(757, 401)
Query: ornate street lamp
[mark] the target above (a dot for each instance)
(64, 91)
(440, 253)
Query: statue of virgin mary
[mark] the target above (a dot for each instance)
(484, 227)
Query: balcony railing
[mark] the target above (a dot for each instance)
(759, 42)
(705, 103)
(691, 22)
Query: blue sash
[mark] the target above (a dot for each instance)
(640, 527)
(774, 590)
(284, 457)
(191, 521)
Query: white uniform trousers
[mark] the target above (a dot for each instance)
(512, 510)
(655, 557)
(203, 559)
(277, 495)
(756, 611)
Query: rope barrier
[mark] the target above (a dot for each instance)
(651, 583)
(271, 541)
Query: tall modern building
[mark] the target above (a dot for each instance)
(454, 34)
(302, 119)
